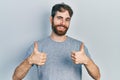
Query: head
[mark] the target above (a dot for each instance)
(60, 18)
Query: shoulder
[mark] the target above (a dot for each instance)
(78, 43)
(73, 40)
(44, 40)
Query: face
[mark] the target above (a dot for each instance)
(60, 23)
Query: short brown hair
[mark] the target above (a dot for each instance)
(61, 8)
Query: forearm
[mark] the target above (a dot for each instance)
(21, 70)
(92, 69)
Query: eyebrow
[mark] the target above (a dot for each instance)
(62, 17)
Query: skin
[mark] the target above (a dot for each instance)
(80, 57)
(39, 58)
(61, 18)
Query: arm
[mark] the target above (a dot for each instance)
(92, 69)
(21, 70)
(80, 57)
(37, 58)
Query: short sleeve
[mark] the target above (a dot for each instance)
(87, 52)
(29, 51)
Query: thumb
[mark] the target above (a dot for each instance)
(35, 46)
(82, 47)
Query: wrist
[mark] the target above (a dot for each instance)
(29, 59)
(87, 60)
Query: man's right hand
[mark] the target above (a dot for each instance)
(38, 58)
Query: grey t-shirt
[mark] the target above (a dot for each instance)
(59, 65)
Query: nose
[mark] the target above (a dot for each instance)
(62, 22)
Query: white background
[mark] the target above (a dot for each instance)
(95, 22)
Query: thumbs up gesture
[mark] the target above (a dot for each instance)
(38, 58)
(79, 57)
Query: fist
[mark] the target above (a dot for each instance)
(79, 57)
(38, 58)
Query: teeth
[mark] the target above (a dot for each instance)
(61, 27)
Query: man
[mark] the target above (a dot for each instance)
(58, 57)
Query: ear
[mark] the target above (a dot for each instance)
(51, 19)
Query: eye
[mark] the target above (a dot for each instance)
(68, 19)
(59, 17)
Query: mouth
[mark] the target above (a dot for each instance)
(61, 28)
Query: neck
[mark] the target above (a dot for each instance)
(58, 38)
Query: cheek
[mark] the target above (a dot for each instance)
(56, 22)
(67, 24)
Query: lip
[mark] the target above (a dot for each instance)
(61, 28)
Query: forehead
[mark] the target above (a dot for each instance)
(64, 14)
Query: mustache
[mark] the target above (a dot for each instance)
(62, 26)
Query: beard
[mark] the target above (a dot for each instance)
(59, 32)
